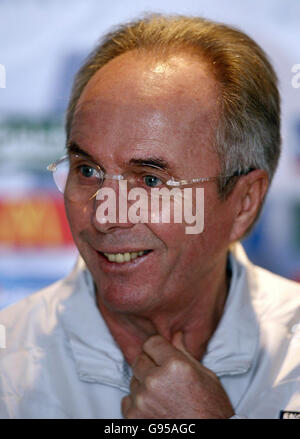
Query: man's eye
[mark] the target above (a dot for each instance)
(88, 171)
(152, 181)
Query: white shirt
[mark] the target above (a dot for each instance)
(61, 361)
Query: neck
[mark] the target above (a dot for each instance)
(197, 320)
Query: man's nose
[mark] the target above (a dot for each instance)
(111, 207)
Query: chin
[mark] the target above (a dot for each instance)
(125, 300)
(118, 290)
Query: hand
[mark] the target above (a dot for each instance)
(168, 383)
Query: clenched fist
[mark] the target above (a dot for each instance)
(168, 383)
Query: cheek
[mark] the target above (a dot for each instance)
(181, 252)
(78, 218)
(172, 236)
(217, 227)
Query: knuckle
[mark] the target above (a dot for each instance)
(150, 383)
(179, 366)
(151, 341)
(140, 401)
(154, 342)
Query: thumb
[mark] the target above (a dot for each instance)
(178, 342)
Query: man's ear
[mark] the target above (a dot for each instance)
(248, 195)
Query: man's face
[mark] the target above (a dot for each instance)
(136, 109)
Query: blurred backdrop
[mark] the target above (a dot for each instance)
(42, 44)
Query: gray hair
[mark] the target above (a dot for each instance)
(248, 133)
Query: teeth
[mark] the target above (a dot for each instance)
(123, 257)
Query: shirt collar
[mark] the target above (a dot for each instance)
(97, 356)
(231, 349)
(99, 359)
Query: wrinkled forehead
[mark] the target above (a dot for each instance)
(165, 106)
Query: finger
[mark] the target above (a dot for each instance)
(142, 366)
(134, 385)
(160, 350)
(178, 343)
(126, 405)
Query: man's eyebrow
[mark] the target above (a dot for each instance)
(73, 148)
(154, 162)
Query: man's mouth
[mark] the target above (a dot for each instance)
(120, 258)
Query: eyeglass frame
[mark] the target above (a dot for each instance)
(52, 167)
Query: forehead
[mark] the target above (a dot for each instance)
(135, 106)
